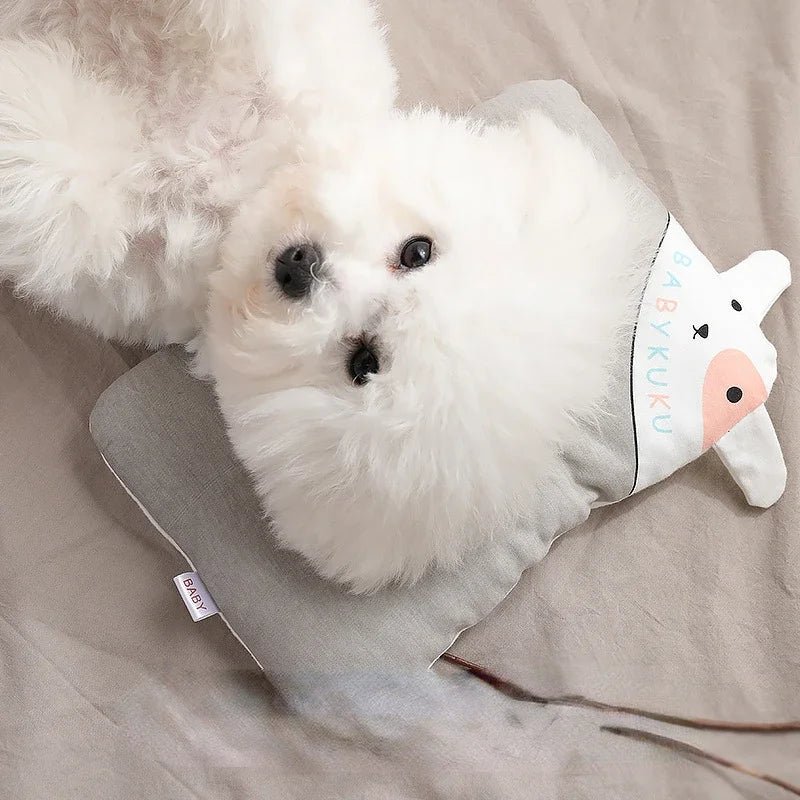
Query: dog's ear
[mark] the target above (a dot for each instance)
(326, 59)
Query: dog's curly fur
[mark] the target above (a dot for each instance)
(155, 157)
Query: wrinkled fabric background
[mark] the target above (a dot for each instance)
(681, 599)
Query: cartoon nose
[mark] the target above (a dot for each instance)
(702, 331)
(294, 269)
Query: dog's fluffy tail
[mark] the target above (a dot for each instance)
(68, 162)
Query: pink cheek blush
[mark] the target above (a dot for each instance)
(732, 388)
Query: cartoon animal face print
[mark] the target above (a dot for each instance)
(701, 363)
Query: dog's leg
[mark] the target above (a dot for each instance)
(315, 53)
(331, 53)
(68, 162)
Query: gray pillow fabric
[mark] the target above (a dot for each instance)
(161, 433)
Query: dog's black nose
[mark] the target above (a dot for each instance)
(702, 331)
(294, 269)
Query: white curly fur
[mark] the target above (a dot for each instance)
(156, 156)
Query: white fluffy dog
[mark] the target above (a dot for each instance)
(403, 313)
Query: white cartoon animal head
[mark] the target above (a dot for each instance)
(702, 368)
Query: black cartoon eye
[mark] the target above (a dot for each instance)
(736, 305)
(734, 394)
(363, 363)
(416, 252)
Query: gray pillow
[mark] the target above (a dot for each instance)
(161, 433)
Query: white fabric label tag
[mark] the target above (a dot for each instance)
(195, 596)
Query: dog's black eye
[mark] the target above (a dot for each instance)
(416, 252)
(736, 305)
(363, 363)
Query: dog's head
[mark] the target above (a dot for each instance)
(407, 319)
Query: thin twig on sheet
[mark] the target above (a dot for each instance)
(516, 692)
(697, 752)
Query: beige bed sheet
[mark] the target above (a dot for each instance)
(681, 599)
